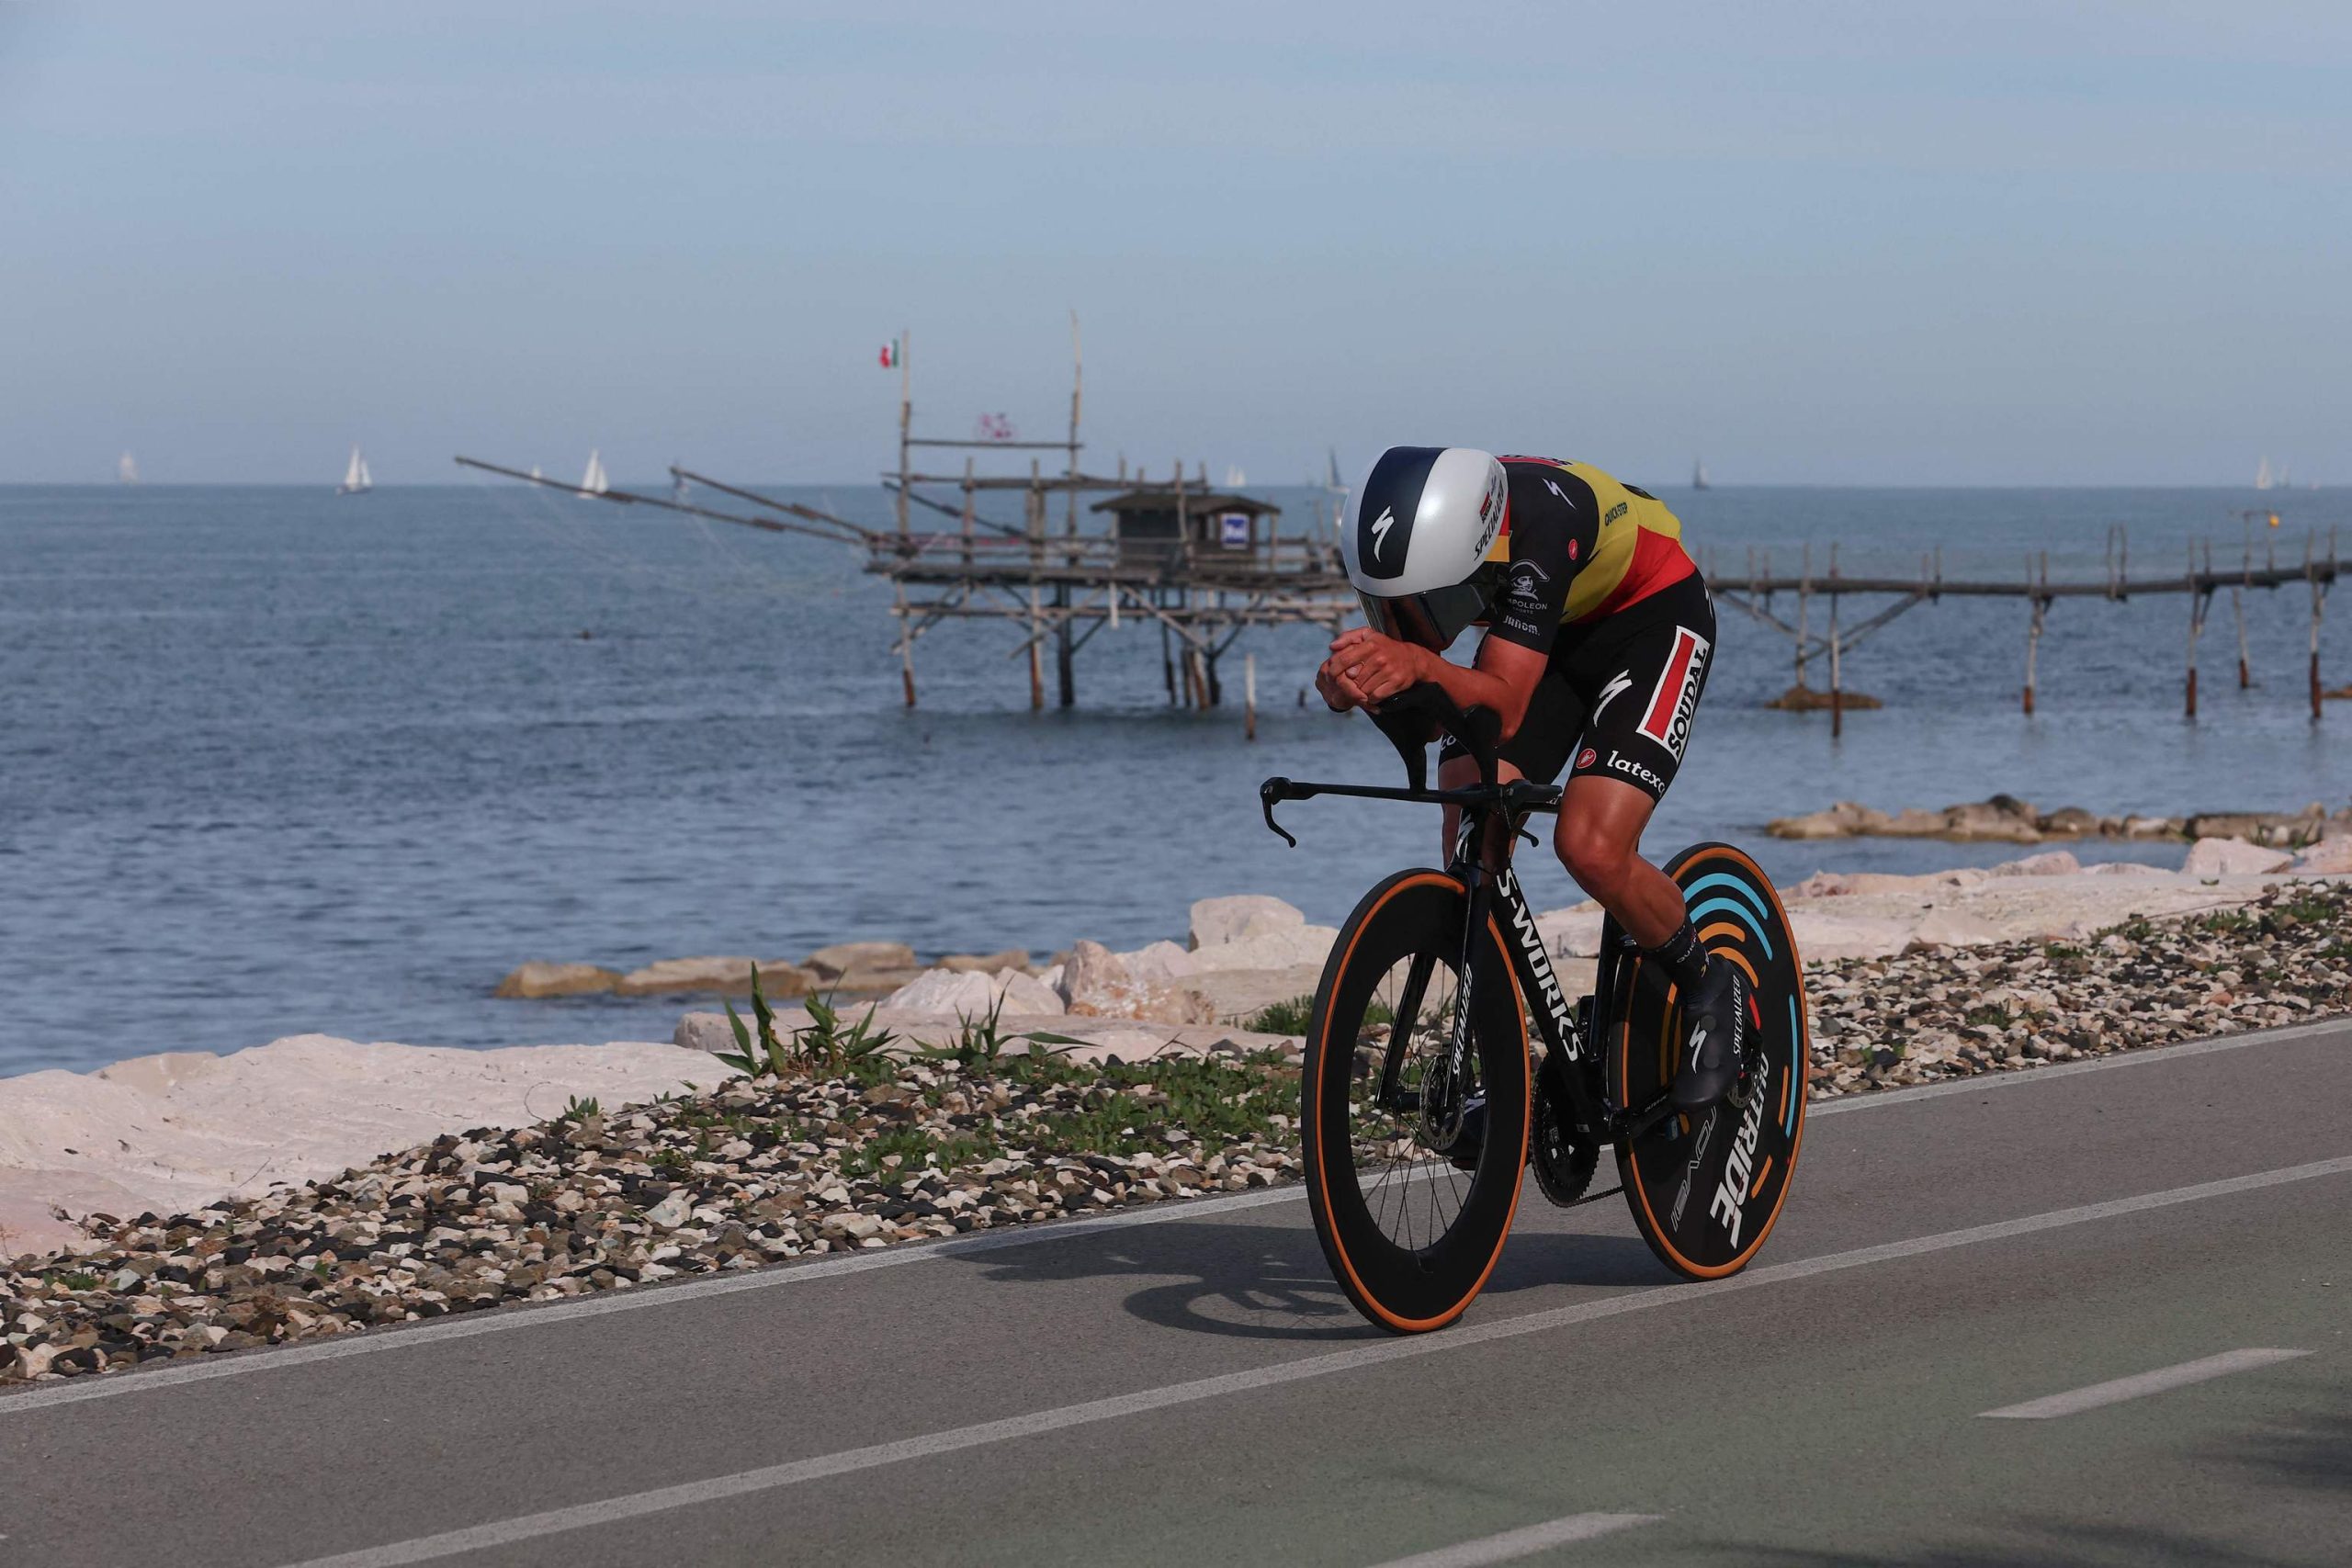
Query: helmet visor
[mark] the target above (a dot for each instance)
(1434, 618)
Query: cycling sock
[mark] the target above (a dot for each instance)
(1683, 954)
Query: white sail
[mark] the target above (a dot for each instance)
(125, 469)
(367, 479)
(1699, 474)
(356, 478)
(1234, 478)
(594, 481)
(535, 472)
(2261, 474)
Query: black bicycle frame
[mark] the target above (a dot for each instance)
(1481, 859)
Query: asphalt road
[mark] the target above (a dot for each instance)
(2045, 1320)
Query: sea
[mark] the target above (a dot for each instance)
(274, 760)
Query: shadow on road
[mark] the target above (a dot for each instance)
(1270, 1282)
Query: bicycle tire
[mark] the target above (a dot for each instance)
(1705, 1195)
(1401, 1284)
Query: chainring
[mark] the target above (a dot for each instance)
(1564, 1163)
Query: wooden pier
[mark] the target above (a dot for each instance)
(2202, 582)
(1202, 564)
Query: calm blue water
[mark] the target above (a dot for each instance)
(272, 761)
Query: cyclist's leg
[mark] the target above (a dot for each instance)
(1647, 672)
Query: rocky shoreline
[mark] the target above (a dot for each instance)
(2006, 820)
(976, 1121)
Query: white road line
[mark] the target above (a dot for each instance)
(423, 1335)
(1512, 1545)
(767, 1478)
(2152, 1055)
(2139, 1384)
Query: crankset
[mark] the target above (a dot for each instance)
(1564, 1156)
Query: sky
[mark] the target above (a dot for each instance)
(1814, 243)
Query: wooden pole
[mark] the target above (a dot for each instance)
(1805, 604)
(2033, 650)
(968, 496)
(2196, 624)
(2310, 575)
(906, 429)
(1065, 652)
(1077, 394)
(906, 646)
(1836, 679)
(1249, 696)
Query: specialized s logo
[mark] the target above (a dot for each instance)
(1380, 526)
(1553, 486)
(1667, 722)
(1619, 684)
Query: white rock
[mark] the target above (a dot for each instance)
(2233, 857)
(2329, 857)
(1823, 935)
(1026, 995)
(1951, 928)
(671, 1213)
(179, 1131)
(1217, 921)
(947, 993)
(2126, 868)
(1095, 983)
(1282, 948)
(1160, 961)
(2051, 862)
(843, 957)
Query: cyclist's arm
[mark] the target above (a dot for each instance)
(1367, 668)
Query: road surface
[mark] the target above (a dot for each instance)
(2094, 1314)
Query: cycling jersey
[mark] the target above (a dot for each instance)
(1581, 546)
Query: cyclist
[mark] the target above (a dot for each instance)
(1598, 634)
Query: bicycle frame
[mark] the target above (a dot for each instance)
(1481, 860)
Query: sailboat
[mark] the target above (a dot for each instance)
(1699, 474)
(1234, 478)
(356, 479)
(594, 481)
(535, 472)
(125, 469)
(2262, 479)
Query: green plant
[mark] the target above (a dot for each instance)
(1283, 1018)
(767, 1056)
(578, 1110)
(1998, 1016)
(979, 1039)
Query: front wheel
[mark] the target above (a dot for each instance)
(1414, 1148)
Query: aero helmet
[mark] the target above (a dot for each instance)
(1421, 531)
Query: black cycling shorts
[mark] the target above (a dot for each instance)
(1619, 694)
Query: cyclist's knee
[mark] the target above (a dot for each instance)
(1599, 861)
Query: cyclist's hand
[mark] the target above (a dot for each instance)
(1336, 695)
(1376, 667)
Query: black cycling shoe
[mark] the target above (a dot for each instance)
(1716, 1013)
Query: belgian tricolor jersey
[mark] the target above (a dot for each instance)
(1581, 546)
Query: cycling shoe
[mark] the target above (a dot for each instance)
(1716, 1013)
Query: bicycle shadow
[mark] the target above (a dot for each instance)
(1270, 1282)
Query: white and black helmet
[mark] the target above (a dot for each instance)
(1419, 532)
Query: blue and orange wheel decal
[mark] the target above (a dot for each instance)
(1706, 1194)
